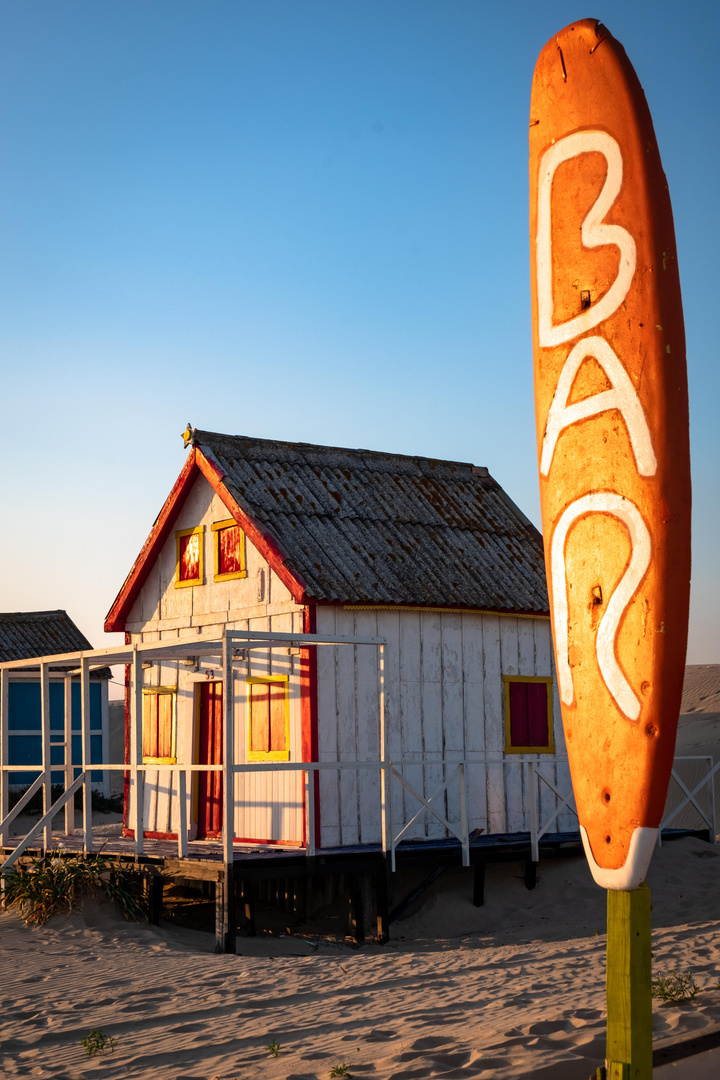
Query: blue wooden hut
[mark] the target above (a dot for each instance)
(29, 634)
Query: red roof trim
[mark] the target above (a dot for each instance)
(197, 461)
(151, 548)
(266, 544)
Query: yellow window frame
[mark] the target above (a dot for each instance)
(269, 755)
(171, 691)
(200, 579)
(509, 747)
(217, 527)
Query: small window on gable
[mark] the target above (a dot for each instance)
(268, 719)
(159, 725)
(528, 715)
(229, 550)
(189, 557)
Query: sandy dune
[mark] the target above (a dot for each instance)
(510, 990)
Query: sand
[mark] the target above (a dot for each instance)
(512, 989)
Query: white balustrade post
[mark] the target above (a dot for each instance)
(46, 762)
(309, 811)
(69, 771)
(464, 815)
(228, 751)
(136, 746)
(228, 832)
(534, 795)
(4, 749)
(182, 815)
(385, 816)
(86, 753)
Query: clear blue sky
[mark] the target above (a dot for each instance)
(297, 219)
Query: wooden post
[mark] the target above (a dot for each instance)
(382, 894)
(356, 926)
(629, 1000)
(69, 771)
(155, 885)
(220, 909)
(479, 883)
(249, 906)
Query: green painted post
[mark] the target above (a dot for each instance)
(629, 999)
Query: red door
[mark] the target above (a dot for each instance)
(210, 784)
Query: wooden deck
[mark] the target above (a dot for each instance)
(364, 869)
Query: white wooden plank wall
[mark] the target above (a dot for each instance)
(510, 665)
(409, 721)
(444, 699)
(494, 724)
(368, 727)
(328, 729)
(453, 728)
(432, 718)
(474, 720)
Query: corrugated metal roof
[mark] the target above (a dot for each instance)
(359, 526)
(26, 634)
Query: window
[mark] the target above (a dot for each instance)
(268, 719)
(229, 550)
(189, 557)
(159, 725)
(528, 715)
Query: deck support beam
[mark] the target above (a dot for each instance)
(247, 894)
(382, 894)
(225, 929)
(479, 883)
(155, 885)
(356, 926)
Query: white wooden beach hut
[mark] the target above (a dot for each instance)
(431, 556)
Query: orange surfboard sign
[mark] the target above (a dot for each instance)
(612, 431)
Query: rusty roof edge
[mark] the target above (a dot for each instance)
(511, 505)
(206, 438)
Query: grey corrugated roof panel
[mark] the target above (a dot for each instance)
(28, 634)
(360, 526)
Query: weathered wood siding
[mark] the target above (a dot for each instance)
(268, 805)
(444, 700)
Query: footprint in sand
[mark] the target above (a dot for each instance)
(549, 1027)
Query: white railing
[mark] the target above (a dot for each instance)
(691, 796)
(390, 774)
(531, 786)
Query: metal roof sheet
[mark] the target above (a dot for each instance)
(26, 634)
(360, 526)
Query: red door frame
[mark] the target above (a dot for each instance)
(210, 752)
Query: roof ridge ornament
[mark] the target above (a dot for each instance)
(188, 435)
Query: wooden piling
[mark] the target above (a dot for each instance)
(479, 884)
(382, 894)
(356, 926)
